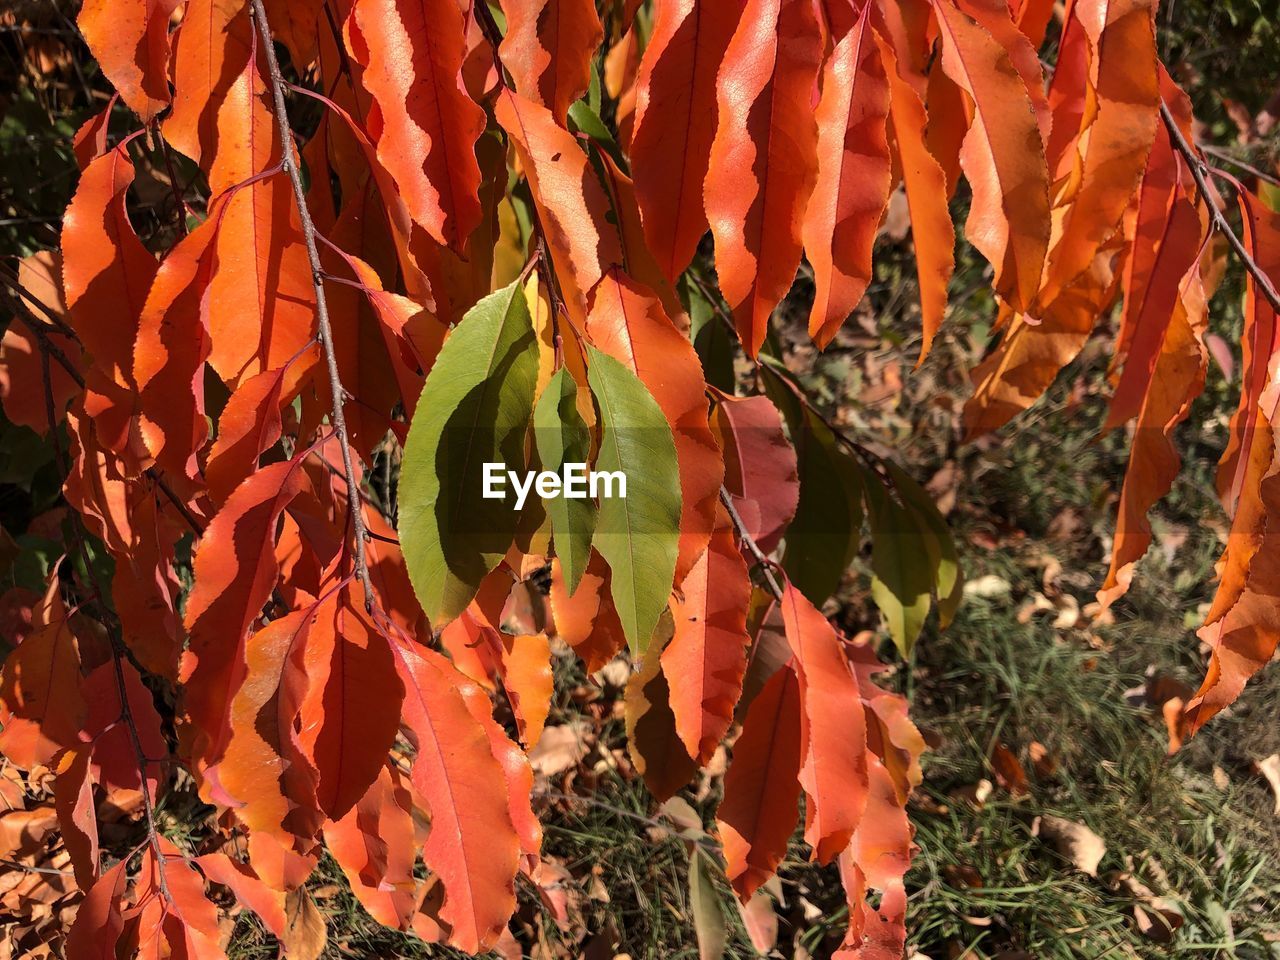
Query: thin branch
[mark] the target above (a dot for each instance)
(288, 153)
(1199, 172)
(763, 562)
(1249, 168)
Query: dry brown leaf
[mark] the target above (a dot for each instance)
(1008, 770)
(305, 937)
(560, 748)
(1074, 841)
(1270, 768)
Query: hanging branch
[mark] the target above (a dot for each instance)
(118, 650)
(1198, 172)
(287, 161)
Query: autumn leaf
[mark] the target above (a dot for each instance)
(477, 404)
(764, 159)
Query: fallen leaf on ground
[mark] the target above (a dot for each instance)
(1074, 841)
(1270, 768)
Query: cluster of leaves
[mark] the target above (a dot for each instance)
(488, 249)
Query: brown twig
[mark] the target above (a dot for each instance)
(1199, 170)
(763, 562)
(288, 152)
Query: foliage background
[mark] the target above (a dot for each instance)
(1032, 508)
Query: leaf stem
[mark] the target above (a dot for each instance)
(288, 161)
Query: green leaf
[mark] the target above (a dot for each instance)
(474, 409)
(709, 920)
(637, 535)
(902, 571)
(562, 437)
(711, 338)
(948, 578)
(823, 538)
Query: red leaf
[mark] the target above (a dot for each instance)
(852, 188)
(764, 158)
(675, 123)
(761, 791)
(759, 466)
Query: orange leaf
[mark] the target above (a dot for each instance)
(210, 54)
(22, 386)
(707, 657)
(759, 811)
(106, 274)
(1094, 181)
(130, 41)
(570, 199)
(1003, 157)
(249, 890)
(264, 766)
(1243, 623)
(351, 711)
(262, 278)
(656, 748)
(428, 126)
(472, 845)
(548, 50)
(764, 159)
(42, 705)
(675, 123)
(234, 572)
(833, 729)
(375, 845)
(852, 188)
(169, 356)
(925, 186)
(587, 620)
